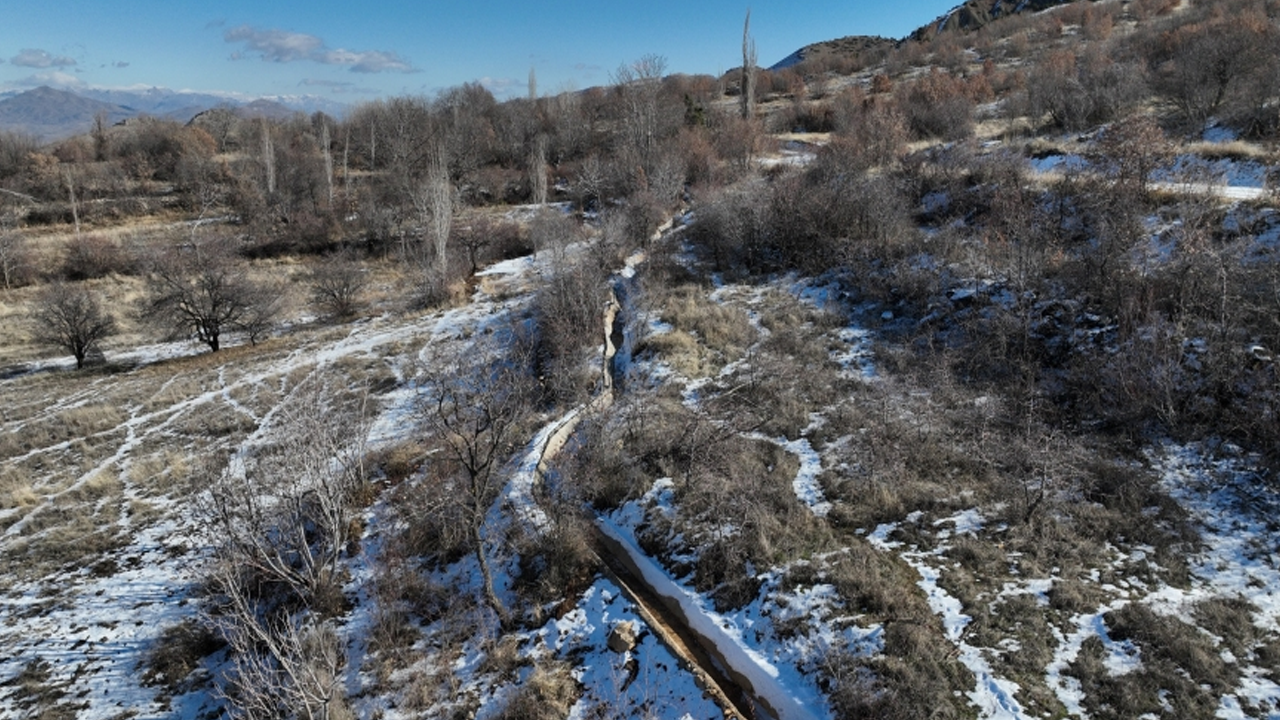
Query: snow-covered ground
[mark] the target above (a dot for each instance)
(89, 630)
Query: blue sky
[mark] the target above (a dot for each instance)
(357, 51)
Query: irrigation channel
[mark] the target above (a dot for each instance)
(729, 676)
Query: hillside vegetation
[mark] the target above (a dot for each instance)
(922, 378)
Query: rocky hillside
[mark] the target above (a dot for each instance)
(976, 14)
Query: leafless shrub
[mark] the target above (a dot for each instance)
(282, 521)
(937, 105)
(286, 668)
(607, 472)
(285, 517)
(829, 218)
(94, 256)
(337, 284)
(1200, 67)
(557, 563)
(870, 133)
(730, 232)
(1079, 91)
(485, 239)
(177, 653)
(569, 312)
(551, 231)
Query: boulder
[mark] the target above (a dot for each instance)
(623, 636)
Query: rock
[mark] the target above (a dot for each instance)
(623, 636)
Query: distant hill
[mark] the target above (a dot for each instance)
(965, 17)
(49, 114)
(850, 45)
(158, 102)
(263, 108)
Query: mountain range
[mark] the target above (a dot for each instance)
(50, 114)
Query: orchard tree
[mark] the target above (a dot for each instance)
(71, 318)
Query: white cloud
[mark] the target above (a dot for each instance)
(370, 61)
(338, 86)
(283, 46)
(36, 58)
(53, 78)
(275, 45)
(502, 87)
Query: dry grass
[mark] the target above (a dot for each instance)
(706, 335)
(1233, 150)
(682, 352)
(1181, 668)
(160, 469)
(83, 422)
(65, 536)
(548, 693)
(399, 461)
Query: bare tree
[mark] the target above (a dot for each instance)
(639, 85)
(472, 410)
(748, 70)
(75, 207)
(204, 292)
(268, 157)
(328, 159)
(99, 134)
(71, 318)
(433, 200)
(14, 259)
(538, 169)
(591, 183)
